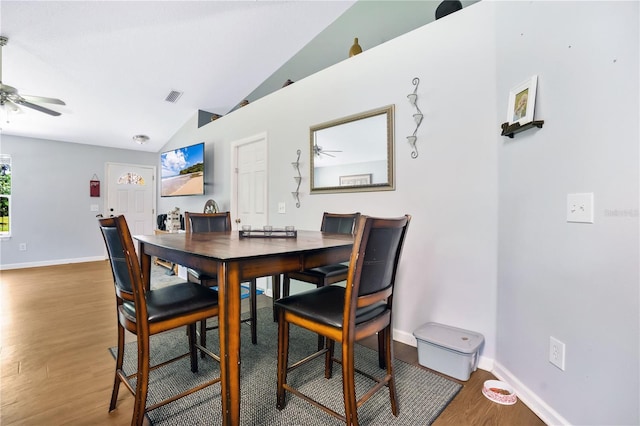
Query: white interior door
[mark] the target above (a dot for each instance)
(249, 190)
(131, 191)
(249, 205)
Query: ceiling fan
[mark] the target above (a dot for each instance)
(11, 100)
(319, 151)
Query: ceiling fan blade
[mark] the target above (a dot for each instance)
(43, 99)
(39, 108)
(318, 150)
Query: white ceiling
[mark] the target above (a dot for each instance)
(115, 62)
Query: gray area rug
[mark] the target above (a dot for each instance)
(162, 277)
(422, 395)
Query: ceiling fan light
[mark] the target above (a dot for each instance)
(10, 106)
(141, 139)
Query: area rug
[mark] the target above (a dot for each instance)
(422, 395)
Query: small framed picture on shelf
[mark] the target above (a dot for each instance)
(522, 101)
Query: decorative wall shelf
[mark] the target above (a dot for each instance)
(298, 179)
(511, 129)
(413, 100)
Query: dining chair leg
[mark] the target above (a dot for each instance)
(381, 349)
(388, 346)
(193, 353)
(119, 360)
(283, 359)
(142, 381)
(348, 385)
(203, 336)
(328, 359)
(278, 287)
(253, 310)
(320, 342)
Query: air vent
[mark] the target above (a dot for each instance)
(173, 96)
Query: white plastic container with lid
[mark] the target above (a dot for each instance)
(449, 350)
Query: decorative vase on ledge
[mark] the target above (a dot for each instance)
(355, 49)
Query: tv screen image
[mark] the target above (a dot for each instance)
(182, 171)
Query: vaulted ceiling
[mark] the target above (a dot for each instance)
(115, 62)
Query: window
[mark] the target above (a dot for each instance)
(131, 178)
(5, 195)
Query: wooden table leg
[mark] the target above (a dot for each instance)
(145, 266)
(229, 299)
(275, 290)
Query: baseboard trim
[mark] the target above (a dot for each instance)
(404, 337)
(50, 263)
(529, 398)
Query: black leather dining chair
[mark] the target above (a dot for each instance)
(217, 222)
(347, 314)
(145, 312)
(338, 223)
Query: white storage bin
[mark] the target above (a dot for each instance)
(448, 350)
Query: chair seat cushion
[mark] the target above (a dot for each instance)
(326, 305)
(174, 300)
(325, 271)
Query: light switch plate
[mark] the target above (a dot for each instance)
(580, 207)
(282, 207)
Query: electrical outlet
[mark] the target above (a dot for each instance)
(22, 246)
(282, 207)
(556, 352)
(580, 207)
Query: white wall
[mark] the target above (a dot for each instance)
(576, 282)
(476, 214)
(448, 271)
(50, 202)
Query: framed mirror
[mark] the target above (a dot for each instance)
(353, 154)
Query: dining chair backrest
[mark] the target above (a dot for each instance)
(374, 262)
(207, 222)
(127, 275)
(339, 223)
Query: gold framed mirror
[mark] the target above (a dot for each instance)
(354, 153)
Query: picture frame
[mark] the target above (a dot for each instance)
(522, 101)
(355, 180)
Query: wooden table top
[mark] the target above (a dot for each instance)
(227, 246)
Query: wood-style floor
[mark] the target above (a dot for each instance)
(57, 323)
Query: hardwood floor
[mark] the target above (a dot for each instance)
(58, 322)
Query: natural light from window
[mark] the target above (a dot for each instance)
(5, 195)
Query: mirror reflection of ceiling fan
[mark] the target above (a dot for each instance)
(318, 151)
(11, 100)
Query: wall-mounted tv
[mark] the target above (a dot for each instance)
(182, 171)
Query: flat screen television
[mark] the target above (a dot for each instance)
(182, 171)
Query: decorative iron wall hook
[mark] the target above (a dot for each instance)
(413, 100)
(298, 179)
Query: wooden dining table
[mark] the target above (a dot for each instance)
(237, 260)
